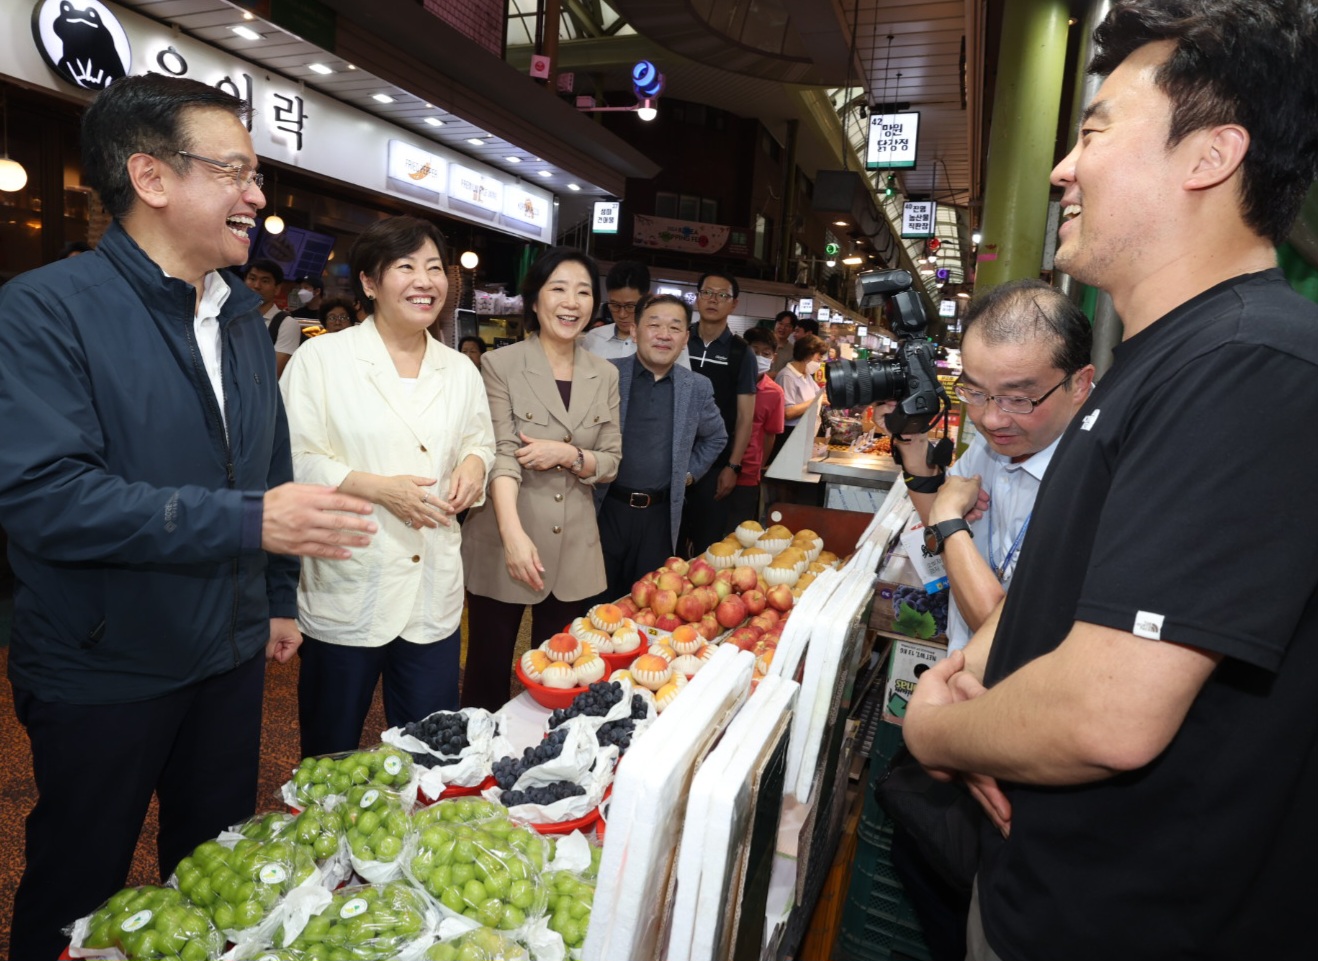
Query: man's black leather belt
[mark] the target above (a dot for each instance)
(639, 499)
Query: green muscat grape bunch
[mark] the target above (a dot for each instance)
(476, 874)
(464, 809)
(154, 922)
(375, 824)
(319, 830)
(482, 944)
(368, 923)
(266, 827)
(570, 900)
(316, 778)
(238, 887)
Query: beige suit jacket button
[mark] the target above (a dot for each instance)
(567, 438)
(558, 497)
(416, 558)
(557, 529)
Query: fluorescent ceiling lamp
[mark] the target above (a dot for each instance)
(434, 121)
(574, 186)
(319, 68)
(247, 33)
(476, 141)
(513, 160)
(382, 98)
(854, 260)
(545, 173)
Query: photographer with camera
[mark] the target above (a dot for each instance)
(1025, 372)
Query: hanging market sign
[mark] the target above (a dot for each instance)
(893, 141)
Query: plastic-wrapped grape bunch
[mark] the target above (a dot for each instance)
(152, 922)
(316, 778)
(570, 900)
(319, 830)
(266, 827)
(367, 923)
(481, 944)
(459, 809)
(238, 887)
(471, 873)
(918, 613)
(444, 733)
(375, 824)
(596, 701)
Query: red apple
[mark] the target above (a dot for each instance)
(642, 593)
(690, 607)
(669, 581)
(664, 601)
(701, 572)
(724, 576)
(780, 597)
(722, 588)
(709, 627)
(754, 600)
(762, 585)
(677, 565)
(742, 638)
(645, 617)
(763, 621)
(628, 606)
(668, 622)
(744, 579)
(731, 611)
(687, 586)
(708, 596)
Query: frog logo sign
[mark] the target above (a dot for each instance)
(82, 41)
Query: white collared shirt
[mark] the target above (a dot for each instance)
(1012, 489)
(206, 327)
(605, 342)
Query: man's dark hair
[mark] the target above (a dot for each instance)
(809, 325)
(647, 302)
(1249, 62)
(809, 345)
(631, 274)
(267, 266)
(318, 285)
(736, 287)
(758, 335)
(142, 114)
(473, 339)
(543, 269)
(386, 241)
(785, 313)
(1026, 311)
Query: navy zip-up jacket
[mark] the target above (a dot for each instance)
(134, 522)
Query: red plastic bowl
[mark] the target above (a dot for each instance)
(551, 697)
(582, 824)
(620, 662)
(454, 790)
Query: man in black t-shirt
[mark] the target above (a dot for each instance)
(1147, 745)
(723, 357)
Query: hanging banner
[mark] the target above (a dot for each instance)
(679, 235)
(919, 218)
(893, 141)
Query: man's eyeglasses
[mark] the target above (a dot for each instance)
(243, 174)
(617, 308)
(715, 294)
(1007, 403)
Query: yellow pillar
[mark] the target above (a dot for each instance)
(1022, 140)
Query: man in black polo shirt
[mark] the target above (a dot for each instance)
(671, 433)
(730, 366)
(1147, 745)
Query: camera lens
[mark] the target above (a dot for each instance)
(855, 383)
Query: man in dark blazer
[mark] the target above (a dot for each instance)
(671, 433)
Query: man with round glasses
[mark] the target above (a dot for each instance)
(1025, 372)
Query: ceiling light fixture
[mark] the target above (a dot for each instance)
(574, 186)
(382, 98)
(646, 110)
(855, 260)
(319, 68)
(839, 223)
(976, 237)
(12, 175)
(476, 141)
(513, 160)
(469, 259)
(274, 224)
(545, 173)
(247, 33)
(434, 121)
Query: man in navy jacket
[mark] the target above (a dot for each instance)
(144, 485)
(671, 433)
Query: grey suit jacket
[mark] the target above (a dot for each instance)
(698, 432)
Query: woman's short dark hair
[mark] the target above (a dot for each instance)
(386, 241)
(142, 114)
(337, 303)
(809, 345)
(473, 339)
(543, 269)
(758, 335)
(647, 302)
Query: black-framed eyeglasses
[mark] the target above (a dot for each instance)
(715, 294)
(1007, 403)
(243, 174)
(618, 308)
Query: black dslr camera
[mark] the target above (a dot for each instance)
(911, 378)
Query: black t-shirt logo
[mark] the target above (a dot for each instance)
(84, 43)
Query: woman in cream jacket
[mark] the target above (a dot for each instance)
(386, 412)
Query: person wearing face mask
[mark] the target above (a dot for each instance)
(766, 428)
(797, 379)
(305, 298)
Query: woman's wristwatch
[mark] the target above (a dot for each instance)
(579, 463)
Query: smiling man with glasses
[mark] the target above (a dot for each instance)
(1025, 372)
